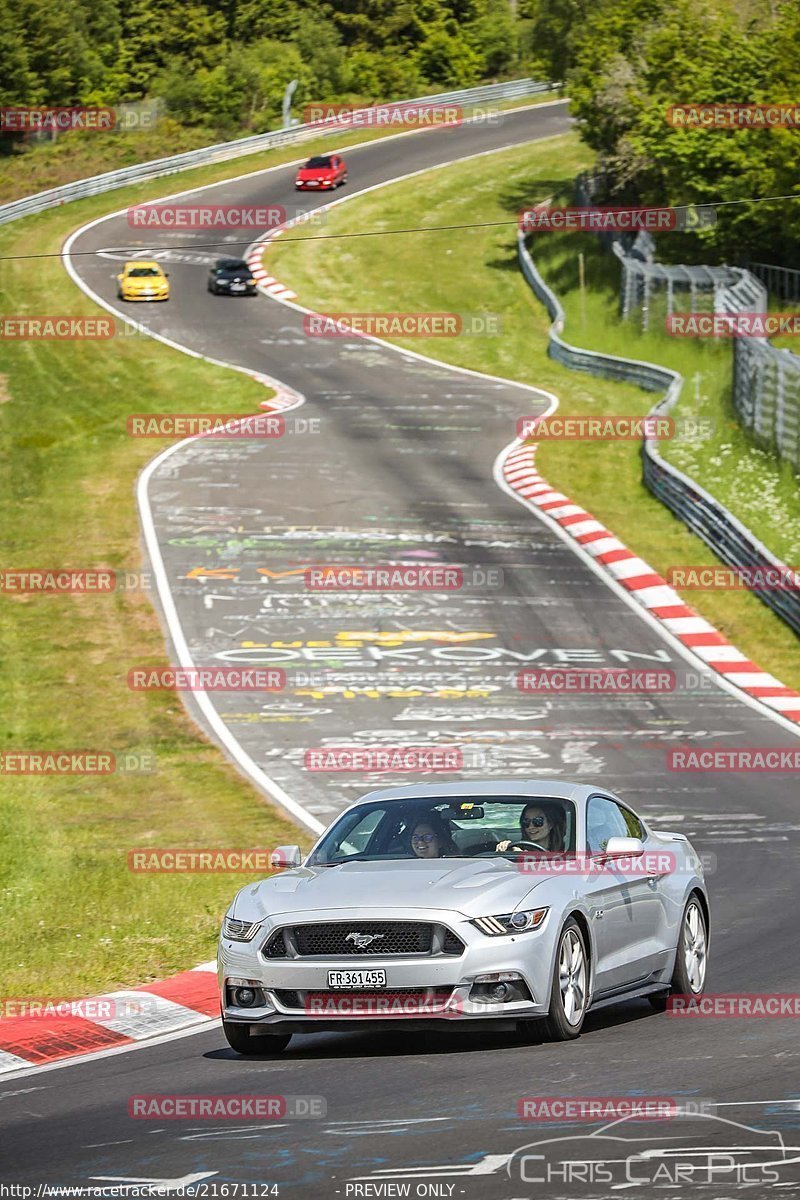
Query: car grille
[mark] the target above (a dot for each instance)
(338, 939)
(301, 999)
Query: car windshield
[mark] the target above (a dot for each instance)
(232, 264)
(458, 828)
(143, 272)
(316, 163)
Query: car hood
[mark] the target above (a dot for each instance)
(473, 887)
(315, 173)
(242, 275)
(144, 283)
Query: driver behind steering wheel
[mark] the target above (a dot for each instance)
(541, 828)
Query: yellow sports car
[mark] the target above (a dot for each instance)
(142, 281)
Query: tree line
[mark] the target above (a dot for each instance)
(624, 62)
(225, 64)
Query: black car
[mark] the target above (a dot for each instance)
(231, 276)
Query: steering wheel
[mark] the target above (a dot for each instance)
(521, 844)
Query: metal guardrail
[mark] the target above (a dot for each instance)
(225, 151)
(731, 541)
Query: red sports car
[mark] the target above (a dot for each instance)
(322, 171)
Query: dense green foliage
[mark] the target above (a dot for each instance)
(626, 61)
(225, 63)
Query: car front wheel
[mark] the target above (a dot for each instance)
(569, 994)
(243, 1041)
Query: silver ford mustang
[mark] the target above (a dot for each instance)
(511, 903)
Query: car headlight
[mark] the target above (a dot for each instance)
(517, 922)
(239, 931)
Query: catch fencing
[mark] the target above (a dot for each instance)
(766, 380)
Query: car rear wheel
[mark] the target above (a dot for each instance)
(689, 976)
(242, 1041)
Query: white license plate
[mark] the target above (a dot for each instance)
(237, 287)
(338, 980)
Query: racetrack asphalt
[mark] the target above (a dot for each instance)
(403, 468)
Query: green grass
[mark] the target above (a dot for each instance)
(476, 269)
(74, 919)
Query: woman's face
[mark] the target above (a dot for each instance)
(424, 842)
(536, 825)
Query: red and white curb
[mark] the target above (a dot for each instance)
(265, 281)
(105, 1022)
(645, 585)
(282, 401)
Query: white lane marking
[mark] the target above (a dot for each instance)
(160, 1186)
(490, 1164)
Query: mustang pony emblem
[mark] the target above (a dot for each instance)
(362, 940)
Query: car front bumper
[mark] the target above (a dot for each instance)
(421, 989)
(226, 289)
(144, 296)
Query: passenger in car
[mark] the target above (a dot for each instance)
(541, 826)
(431, 838)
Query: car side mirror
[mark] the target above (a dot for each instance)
(624, 847)
(285, 856)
